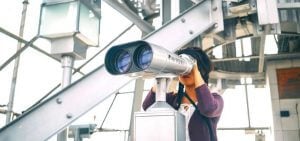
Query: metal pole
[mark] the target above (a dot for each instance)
(16, 67)
(67, 65)
(136, 105)
(161, 89)
(77, 136)
(247, 102)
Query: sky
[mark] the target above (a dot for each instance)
(39, 73)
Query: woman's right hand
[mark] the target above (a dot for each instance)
(153, 89)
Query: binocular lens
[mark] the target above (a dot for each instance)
(144, 57)
(123, 62)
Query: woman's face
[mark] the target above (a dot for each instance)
(187, 80)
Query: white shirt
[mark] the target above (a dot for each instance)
(187, 110)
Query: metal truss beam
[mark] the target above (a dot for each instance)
(54, 114)
(25, 42)
(18, 52)
(293, 5)
(185, 27)
(235, 75)
(124, 10)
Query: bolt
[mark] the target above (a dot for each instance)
(216, 25)
(191, 32)
(183, 20)
(58, 101)
(69, 115)
(215, 8)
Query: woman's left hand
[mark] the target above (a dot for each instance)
(197, 76)
(195, 70)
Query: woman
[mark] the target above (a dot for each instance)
(201, 108)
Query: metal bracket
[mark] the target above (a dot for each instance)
(267, 12)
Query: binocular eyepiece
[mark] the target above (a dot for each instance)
(142, 58)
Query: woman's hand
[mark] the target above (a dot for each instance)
(153, 89)
(197, 76)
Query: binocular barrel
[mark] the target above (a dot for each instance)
(142, 57)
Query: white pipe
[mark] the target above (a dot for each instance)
(10, 104)
(67, 63)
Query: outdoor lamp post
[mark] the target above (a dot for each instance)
(71, 26)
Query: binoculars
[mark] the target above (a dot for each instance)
(140, 58)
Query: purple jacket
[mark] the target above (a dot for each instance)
(209, 104)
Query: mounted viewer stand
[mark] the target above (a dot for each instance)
(160, 122)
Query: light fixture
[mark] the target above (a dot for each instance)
(71, 25)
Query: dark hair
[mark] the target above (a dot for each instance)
(203, 61)
(204, 66)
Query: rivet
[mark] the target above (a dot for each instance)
(183, 20)
(191, 32)
(69, 115)
(215, 8)
(58, 101)
(216, 25)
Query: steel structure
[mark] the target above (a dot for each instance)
(62, 103)
(220, 22)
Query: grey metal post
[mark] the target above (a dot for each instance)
(77, 136)
(136, 106)
(16, 67)
(67, 65)
(162, 84)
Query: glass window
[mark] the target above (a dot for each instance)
(260, 107)
(235, 108)
(119, 115)
(234, 118)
